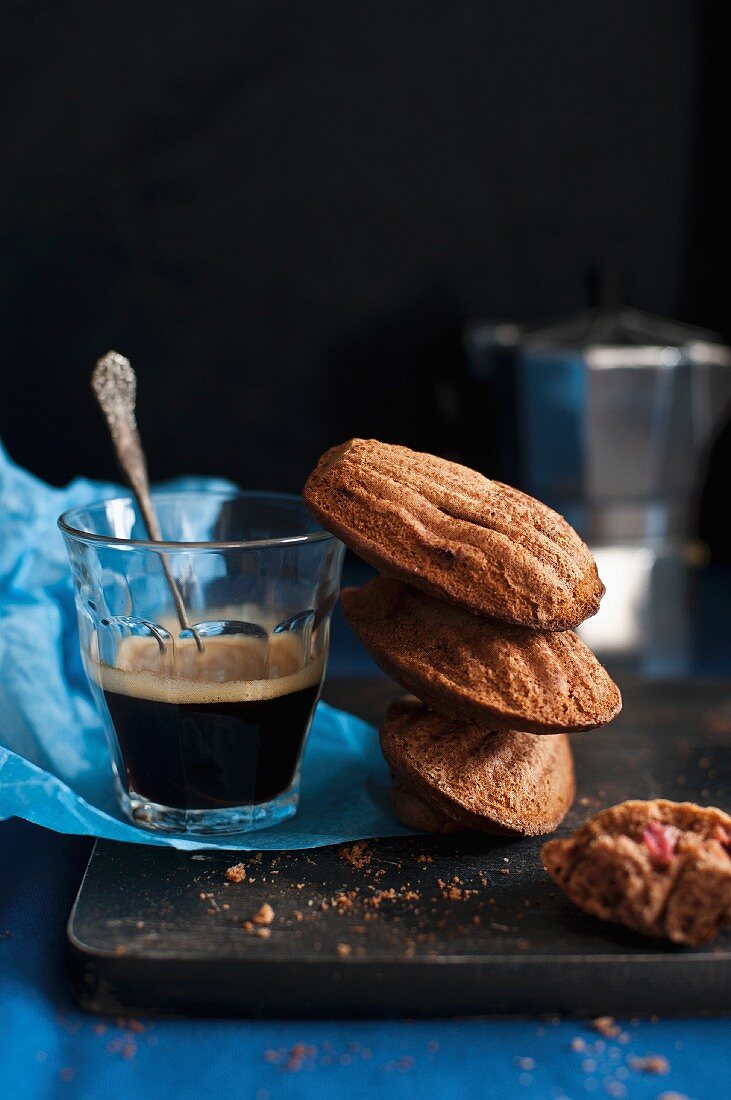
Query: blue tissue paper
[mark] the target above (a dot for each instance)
(54, 760)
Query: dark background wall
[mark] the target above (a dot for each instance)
(283, 212)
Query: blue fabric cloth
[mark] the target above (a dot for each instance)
(54, 761)
(49, 1049)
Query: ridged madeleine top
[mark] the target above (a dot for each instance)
(503, 782)
(502, 677)
(455, 534)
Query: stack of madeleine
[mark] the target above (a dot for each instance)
(473, 615)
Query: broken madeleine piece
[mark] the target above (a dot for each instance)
(661, 868)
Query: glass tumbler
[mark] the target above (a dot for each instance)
(206, 724)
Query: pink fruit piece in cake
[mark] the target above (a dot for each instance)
(661, 842)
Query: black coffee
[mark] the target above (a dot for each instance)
(201, 755)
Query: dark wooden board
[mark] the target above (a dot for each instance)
(143, 939)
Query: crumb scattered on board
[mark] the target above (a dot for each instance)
(264, 915)
(357, 855)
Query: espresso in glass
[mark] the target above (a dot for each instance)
(213, 729)
(206, 723)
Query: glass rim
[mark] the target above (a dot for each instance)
(67, 519)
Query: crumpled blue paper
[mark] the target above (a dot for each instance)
(54, 760)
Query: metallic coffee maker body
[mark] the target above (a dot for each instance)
(609, 418)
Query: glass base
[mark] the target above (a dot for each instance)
(229, 819)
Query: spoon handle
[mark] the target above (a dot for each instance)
(115, 387)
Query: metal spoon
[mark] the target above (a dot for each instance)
(115, 387)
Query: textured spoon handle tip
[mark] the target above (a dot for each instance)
(115, 387)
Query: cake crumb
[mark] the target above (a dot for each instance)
(357, 855)
(298, 1054)
(651, 1063)
(606, 1026)
(265, 914)
(375, 899)
(236, 873)
(527, 1064)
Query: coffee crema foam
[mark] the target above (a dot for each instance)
(230, 670)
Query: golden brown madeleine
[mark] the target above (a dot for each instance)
(462, 666)
(504, 782)
(417, 813)
(455, 534)
(662, 868)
